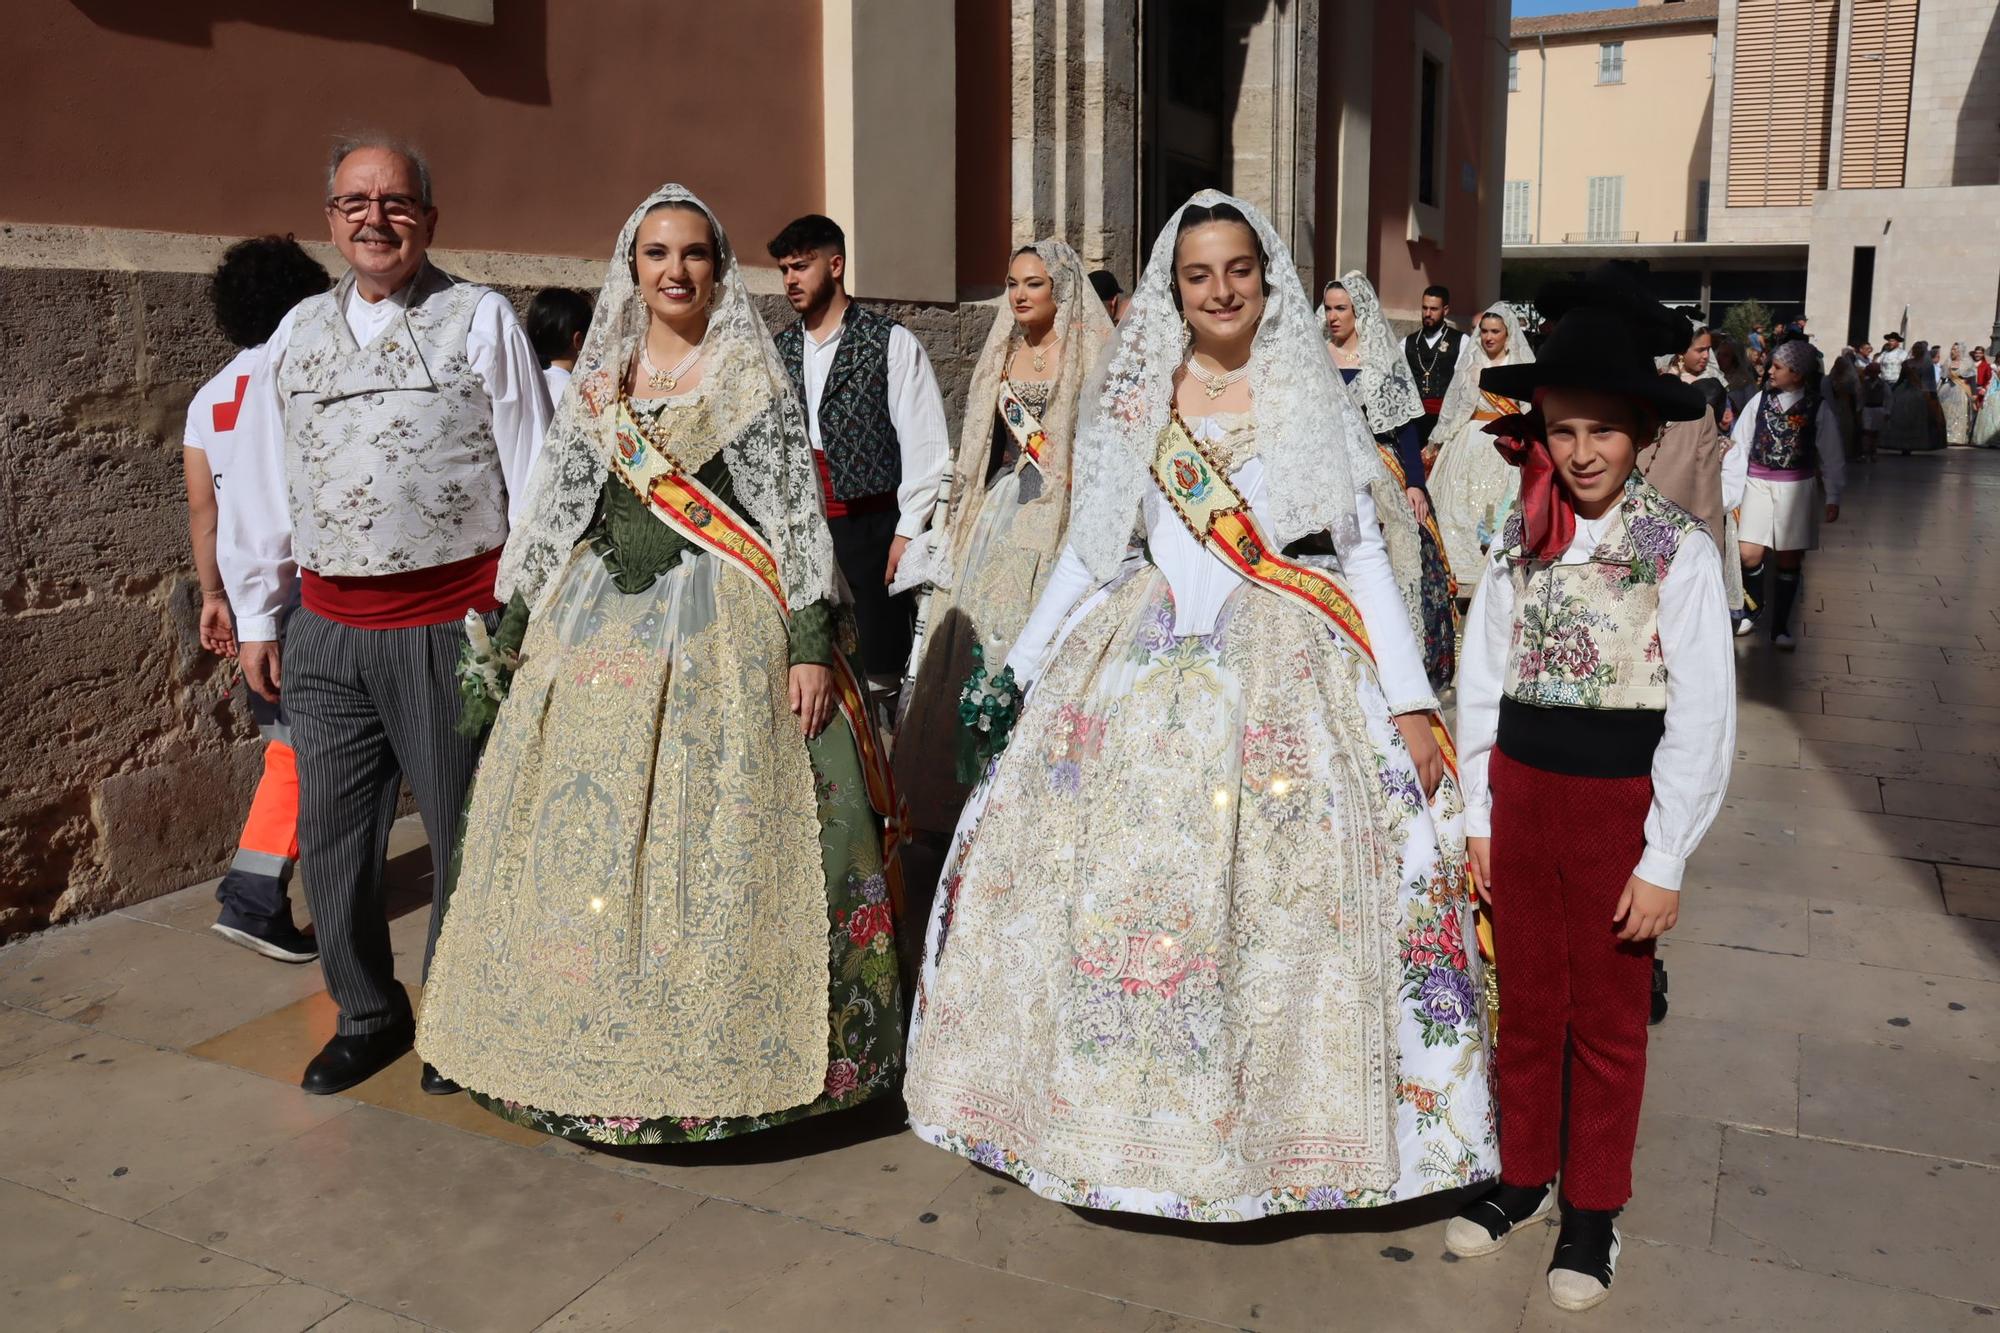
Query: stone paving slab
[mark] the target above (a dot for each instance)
(444, 1227)
(1892, 1219)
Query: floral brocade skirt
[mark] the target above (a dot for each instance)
(669, 919)
(1200, 947)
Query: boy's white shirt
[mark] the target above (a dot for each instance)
(1691, 765)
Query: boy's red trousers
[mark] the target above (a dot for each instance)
(1563, 849)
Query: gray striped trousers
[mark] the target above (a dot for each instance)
(369, 707)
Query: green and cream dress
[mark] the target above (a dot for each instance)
(670, 919)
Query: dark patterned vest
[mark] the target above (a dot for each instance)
(862, 451)
(1786, 441)
(1432, 369)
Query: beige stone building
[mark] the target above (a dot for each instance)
(1608, 120)
(1885, 168)
(139, 138)
(1833, 158)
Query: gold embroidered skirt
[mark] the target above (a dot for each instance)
(1197, 950)
(669, 919)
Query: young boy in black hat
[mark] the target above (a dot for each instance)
(1596, 726)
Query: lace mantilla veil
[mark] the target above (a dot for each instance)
(1384, 386)
(757, 423)
(1313, 442)
(1462, 399)
(1084, 328)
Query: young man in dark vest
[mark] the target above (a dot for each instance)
(877, 425)
(1432, 352)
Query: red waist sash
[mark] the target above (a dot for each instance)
(401, 601)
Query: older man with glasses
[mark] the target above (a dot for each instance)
(408, 407)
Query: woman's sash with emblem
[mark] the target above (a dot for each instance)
(643, 463)
(1220, 519)
(1023, 425)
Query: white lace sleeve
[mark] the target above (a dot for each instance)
(1399, 662)
(1068, 583)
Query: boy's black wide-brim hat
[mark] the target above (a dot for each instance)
(1605, 349)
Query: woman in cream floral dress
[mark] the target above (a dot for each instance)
(1200, 949)
(994, 543)
(671, 914)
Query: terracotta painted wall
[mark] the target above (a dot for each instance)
(215, 117)
(1406, 267)
(984, 34)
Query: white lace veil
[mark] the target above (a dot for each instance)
(1384, 387)
(757, 424)
(1312, 440)
(1461, 400)
(1084, 328)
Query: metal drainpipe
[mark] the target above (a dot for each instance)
(1541, 130)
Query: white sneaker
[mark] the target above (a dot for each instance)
(1586, 1260)
(1745, 628)
(1485, 1224)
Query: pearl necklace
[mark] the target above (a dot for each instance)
(1212, 384)
(665, 380)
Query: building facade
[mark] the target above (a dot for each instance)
(1841, 158)
(1884, 163)
(141, 138)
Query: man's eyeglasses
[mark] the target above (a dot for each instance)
(396, 207)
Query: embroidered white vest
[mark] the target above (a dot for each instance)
(390, 464)
(1588, 635)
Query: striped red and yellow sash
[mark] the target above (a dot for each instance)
(646, 467)
(1493, 406)
(1023, 425)
(1221, 520)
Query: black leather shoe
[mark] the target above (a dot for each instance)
(436, 1084)
(345, 1061)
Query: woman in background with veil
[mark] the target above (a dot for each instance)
(671, 918)
(1471, 484)
(991, 548)
(1200, 945)
(1371, 364)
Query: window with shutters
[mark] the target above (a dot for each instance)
(1514, 212)
(1513, 71)
(1875, 117)
(1611, 62)
(1607, 205)
(1781, 101)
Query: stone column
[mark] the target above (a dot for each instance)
(1076, 135)
(891, 125)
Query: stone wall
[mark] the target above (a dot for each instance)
(127, 761)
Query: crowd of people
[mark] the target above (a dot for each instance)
(681, 631)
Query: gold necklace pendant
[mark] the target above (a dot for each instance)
(1214, 390)
(1040, 362)
(661, 381)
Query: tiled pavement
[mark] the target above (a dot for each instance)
(1821, 1148)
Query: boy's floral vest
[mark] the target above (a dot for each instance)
(1587, 635)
